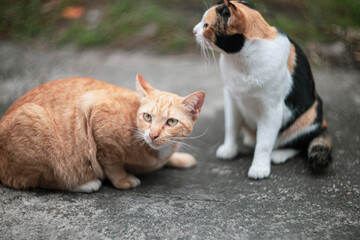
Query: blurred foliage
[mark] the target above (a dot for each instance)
(162, 25)
(308, 20)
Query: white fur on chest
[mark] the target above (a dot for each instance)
(257, 77)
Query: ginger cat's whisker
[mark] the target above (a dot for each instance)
(138, 139)
(191, 137)
(185, 145)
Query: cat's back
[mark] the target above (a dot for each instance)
(65, 93)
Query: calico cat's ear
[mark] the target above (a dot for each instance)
(142, 86)
(236, 20)
(249, 22)
(194, 102)
(229, 4)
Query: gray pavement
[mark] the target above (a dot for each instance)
(215, 199)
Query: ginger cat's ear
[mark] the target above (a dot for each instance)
(249, 22)
(142, 86)
(194, 102)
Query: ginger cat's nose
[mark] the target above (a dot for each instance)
(153, 136)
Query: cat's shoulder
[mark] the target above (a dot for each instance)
(68, 91)
(79, 86)
(77, 82)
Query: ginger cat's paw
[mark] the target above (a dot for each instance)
(181, 160)
(130, 181)
(89, 187)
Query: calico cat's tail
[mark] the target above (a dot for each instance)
(319, 151)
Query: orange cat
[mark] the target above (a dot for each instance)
(71, 133)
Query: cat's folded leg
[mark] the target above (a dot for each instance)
(181, 160)
(120, 178)
(281, 155)
(267, 130)
(229, 148)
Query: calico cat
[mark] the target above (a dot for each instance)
(269, 89)
(72, 133)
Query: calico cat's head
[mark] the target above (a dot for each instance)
(226, 25)
(163, 118)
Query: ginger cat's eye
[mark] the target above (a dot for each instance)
(206, 25)
(147, 117)
(172, 122)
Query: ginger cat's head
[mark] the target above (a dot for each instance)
(226, 25)
(164, 118)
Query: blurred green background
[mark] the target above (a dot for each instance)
(165, 26)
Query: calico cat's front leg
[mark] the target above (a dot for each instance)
(267, 130)
(229, 148)
(181, 160)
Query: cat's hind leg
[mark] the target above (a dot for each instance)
(249, 139)
(26, 135)
(33, 153)
(282, 155)
(181, 160)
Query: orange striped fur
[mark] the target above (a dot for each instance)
(66, 133)
(291, 63)
(302, 122)
(249, 22)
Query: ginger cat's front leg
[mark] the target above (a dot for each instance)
(120, 178)
(181, 160)
(129, 181)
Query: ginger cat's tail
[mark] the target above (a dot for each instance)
(319, 151)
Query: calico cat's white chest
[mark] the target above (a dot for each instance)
(257, 78)
(258, 68)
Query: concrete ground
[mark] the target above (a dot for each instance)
(215, 199)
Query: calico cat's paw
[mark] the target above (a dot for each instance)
(259, 172)
(89, 187)
(181, 160)
(130, 181)
(227, 151)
